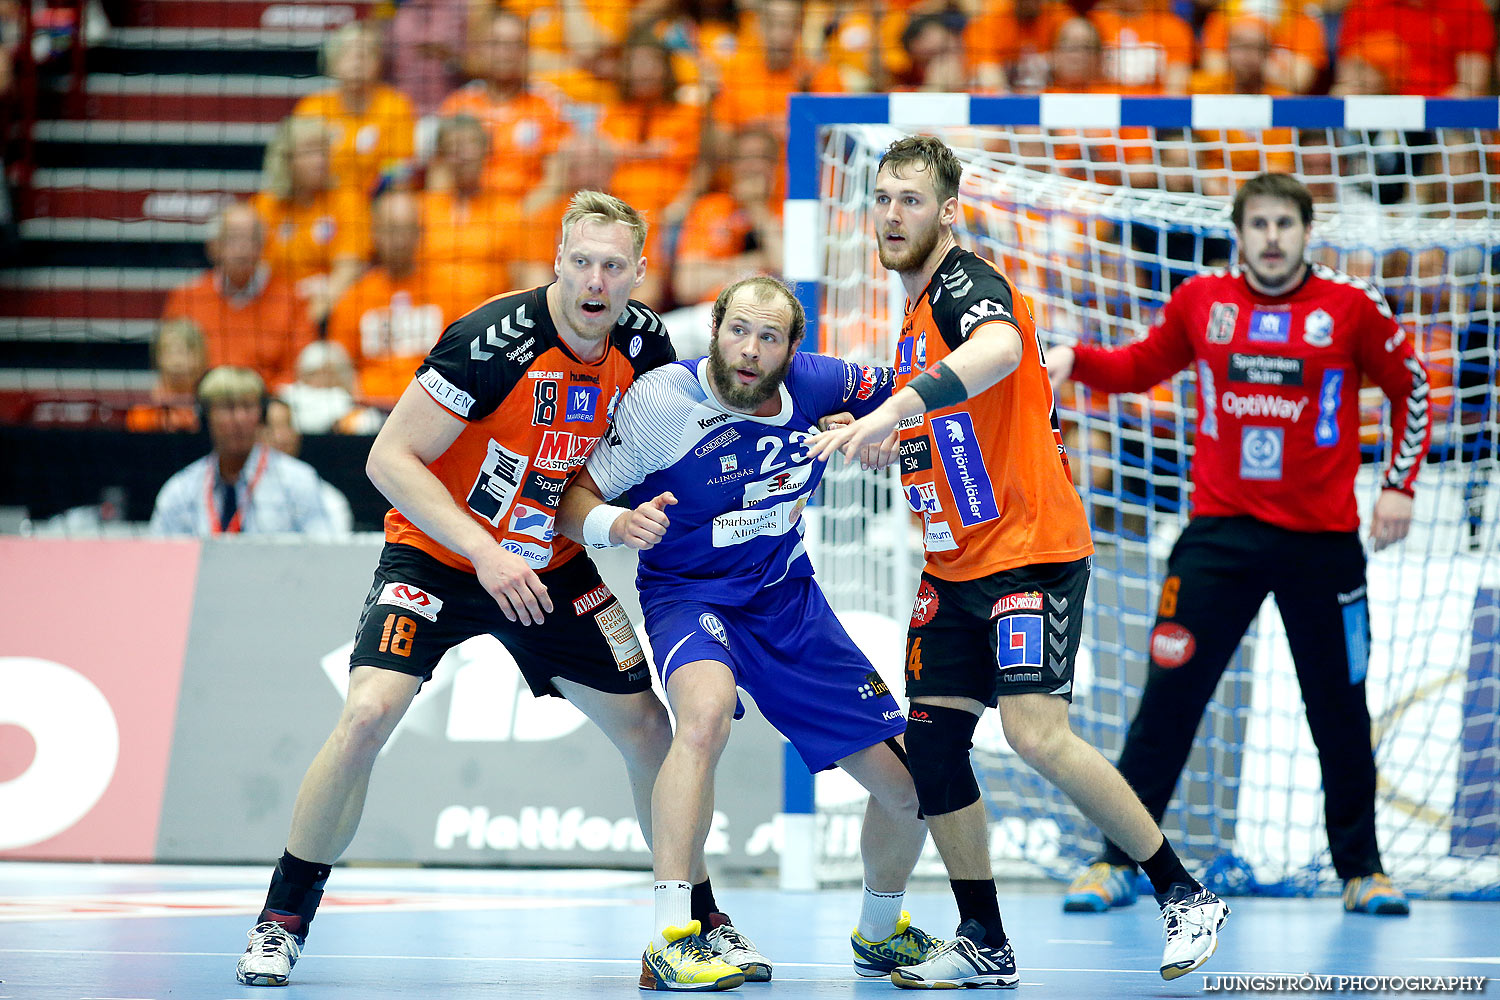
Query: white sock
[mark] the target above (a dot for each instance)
(879, 913)
(674, 907)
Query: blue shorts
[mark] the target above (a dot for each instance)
(790, 652)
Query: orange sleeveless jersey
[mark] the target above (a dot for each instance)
(533, 413)
(989, 476)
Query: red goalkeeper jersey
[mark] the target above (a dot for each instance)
(1278, 392)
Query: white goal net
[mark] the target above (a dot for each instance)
(1097, 227)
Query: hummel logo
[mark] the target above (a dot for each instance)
(641, 316)
(506, 333)
(958, 283)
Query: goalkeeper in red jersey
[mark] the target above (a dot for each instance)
(1280, 347)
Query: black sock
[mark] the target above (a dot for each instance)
(703, 903)
(1165, 870)
(295, 892)
(976, 901)
(1114, 854)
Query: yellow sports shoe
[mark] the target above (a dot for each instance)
(686, 963)
(907, 946)
(1375, 894)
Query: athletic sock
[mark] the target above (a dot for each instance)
(879, 913)
(296, 890)
(1114, 854)
(704, 904)
(674, 908)
(977, 901)
(1165, 870)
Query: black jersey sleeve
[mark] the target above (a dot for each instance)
(642, 337)
(482, 355)
(966, 293)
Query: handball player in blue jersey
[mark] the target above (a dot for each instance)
(713, 455)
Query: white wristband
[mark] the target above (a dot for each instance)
(596, 525)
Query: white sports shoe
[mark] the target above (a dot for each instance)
(1192, 927)
(269, 959)
(962, 962)
(738, 950)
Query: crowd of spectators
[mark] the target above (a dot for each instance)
(432, 171)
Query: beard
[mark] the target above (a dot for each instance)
(918, 247)
(1291, 267)
(743, 397)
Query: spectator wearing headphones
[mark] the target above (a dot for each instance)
(242, 486)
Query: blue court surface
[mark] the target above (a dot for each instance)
(121, 932)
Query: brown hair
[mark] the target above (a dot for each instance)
(941, 165)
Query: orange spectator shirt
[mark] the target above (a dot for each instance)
(524, 131)
(1298, 33)
(989, 476)
(716, 229)
(659, 145)
(389, 324)
(546, 29)
(364, 144)
(1138, 50)
(306, 239)
(532, 414)
(481, 234)
(263, 331)
(997, 38)
(753, 93)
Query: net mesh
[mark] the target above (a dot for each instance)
(1097, 227)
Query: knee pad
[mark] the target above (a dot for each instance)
(938, 741)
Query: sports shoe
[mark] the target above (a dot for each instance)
(269, 959)
(908, 945)
(964, 961)
(1192, 927)
(728, 943)
(686, 963)
(1375, 894)
(1101, 886)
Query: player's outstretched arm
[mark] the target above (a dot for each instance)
(871, 456)
(584, 517)
(991, 353)
(418, 431)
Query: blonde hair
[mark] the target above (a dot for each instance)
(183, 330)
(596, 206)
(276, 170)
(228, 383)
(352, 33)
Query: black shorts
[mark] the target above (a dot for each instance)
(1016, 632)
(420, 608)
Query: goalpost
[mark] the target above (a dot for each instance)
(1097, 206)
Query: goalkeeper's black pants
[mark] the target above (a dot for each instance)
(1219, 573)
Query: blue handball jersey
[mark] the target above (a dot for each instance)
(741, 481)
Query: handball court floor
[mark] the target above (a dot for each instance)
(126, 932)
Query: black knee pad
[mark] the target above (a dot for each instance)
(938, 741)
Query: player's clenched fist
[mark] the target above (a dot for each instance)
(647, 524)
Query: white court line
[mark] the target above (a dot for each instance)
(1478, 959)
(1076, 941)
